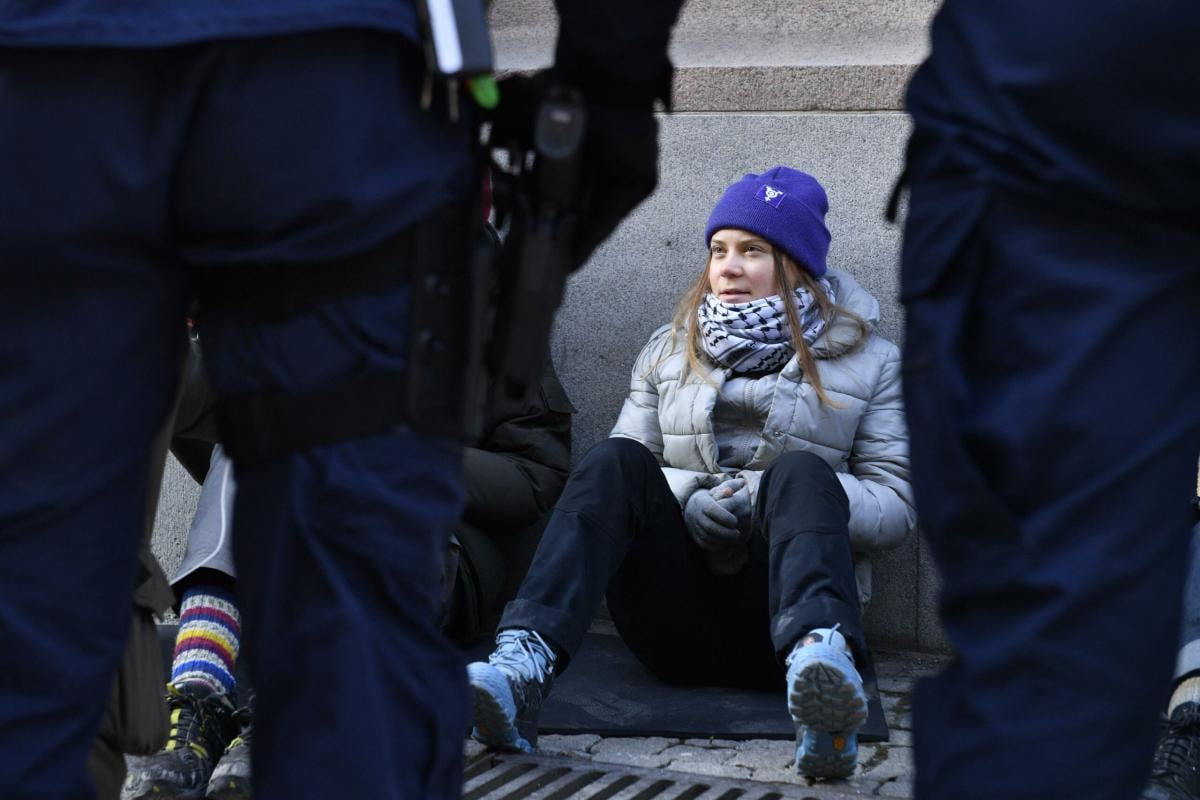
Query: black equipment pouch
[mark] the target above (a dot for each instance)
(446, 261)
(452, 283)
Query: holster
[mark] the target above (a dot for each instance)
(451, 313)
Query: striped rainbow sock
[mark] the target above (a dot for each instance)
(206, 647)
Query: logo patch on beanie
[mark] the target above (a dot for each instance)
(771, 195)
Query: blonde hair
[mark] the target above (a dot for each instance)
(685, 324)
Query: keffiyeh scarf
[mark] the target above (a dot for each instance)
(754, 337)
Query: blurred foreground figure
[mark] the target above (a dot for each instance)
(1051, 277)
(274, 156)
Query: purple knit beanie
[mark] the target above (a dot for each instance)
(784, 206)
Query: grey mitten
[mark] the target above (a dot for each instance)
(712, 526)
(734, 497)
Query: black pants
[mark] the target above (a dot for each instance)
(617, 525)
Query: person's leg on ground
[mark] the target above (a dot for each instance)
(201, 696)
(616, 491)
(801, 522)
(200, 692)
(210, 632)
(1050, 393)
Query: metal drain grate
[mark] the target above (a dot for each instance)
(502, 776)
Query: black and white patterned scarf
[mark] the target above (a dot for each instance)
(754, 337)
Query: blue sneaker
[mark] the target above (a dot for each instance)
(507, 692)
(827, 702)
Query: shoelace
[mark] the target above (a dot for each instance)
(524, 652)
(187, 725)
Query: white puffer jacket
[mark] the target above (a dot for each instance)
(864, 439)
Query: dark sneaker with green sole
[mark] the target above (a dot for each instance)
(201, 726)
(1175, 774)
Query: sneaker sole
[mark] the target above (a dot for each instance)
(495, 719)
(824, 699)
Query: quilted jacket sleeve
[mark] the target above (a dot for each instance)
(878, 483)
(639, 418)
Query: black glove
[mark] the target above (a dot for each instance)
(620, 155)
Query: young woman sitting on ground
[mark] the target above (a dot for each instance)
(761, 446)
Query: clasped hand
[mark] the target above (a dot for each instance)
(719, 518)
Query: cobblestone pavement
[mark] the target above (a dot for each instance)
(884, 770)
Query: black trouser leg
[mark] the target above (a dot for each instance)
(689, 626)
(801, 524)
(615, 493)
(618, 525)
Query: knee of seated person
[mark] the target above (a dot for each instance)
(798, 471)
(622, 452)
(800, 467)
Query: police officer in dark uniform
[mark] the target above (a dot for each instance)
(1051, 275)
(274, 155)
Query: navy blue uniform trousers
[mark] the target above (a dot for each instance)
(124, 174)
(1052, 386)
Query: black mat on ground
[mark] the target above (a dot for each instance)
(608, 692)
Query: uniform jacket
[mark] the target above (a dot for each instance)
(864, 439)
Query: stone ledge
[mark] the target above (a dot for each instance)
(864, 71)
(760, 55)
(726, 18)
(791, 88)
